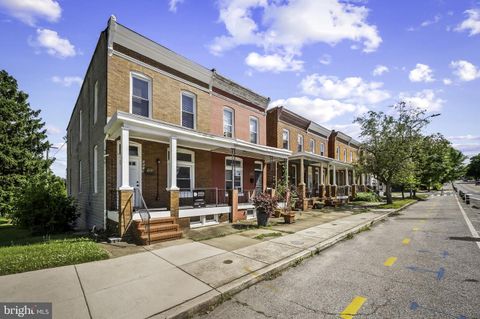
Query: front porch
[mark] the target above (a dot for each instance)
(159, 170)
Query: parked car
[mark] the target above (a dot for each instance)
(477, 183)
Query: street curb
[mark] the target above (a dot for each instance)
(214, 297)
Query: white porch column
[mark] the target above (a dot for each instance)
(354, 178)
(328, 174)
(321, 174)
(302, 172)
(173, 163)
(125, 142)
(334, 175)
(347, 182)
(363, 179)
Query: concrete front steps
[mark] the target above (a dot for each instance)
(161, 229)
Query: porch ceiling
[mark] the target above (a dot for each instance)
(146, 128)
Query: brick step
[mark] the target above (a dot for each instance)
(157, 228)
(162, 236)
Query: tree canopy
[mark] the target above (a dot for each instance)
(473, 169)
(23, 141)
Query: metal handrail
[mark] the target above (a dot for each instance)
(140, 212)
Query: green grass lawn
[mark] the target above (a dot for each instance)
(397, 203)
(20, 252)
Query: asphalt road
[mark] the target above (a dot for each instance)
(424, 263)
(469, 187)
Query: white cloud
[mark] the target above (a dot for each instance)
(29, 11)
(447, 81)
(350, 89)
(172, 5)
(67, 81)
(54, 44)
(379, 70)
(273, 62)
(472, 23)
(425, 99)
(53, 130)
(326, 59)
(421, 73)
(435, 19)
(319, 110)
(464, 70)
(287, 26)
(353, 129)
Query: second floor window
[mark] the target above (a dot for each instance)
(300, 143)
(322, 149)
(286, 139)
(312, 146)
(253, 130)
(188, 110)
(140, 95)
(351, 156)
(345, 155)
(338, 152)
(228, 122)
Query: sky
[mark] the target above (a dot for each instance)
(328, 60)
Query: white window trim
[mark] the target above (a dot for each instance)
(345, 155)
(233, 173)
(351, 156)
(229, 109)
(312, 145)
(322, 149)
(95, 102)
(300, 138)
(95, 169)
(338, 153)
(258, 162)
(142, 77)
(182, 164)
(119, 162)
(258, 129)
(294, 174)
(288, 138)
(80, 124)
(194, 96)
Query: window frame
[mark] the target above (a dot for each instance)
(95, 102)
(338, 153)
(300, 138)
(95, 169)
(345, 155)
(257, 133)
(288, 139)
(322, 149)
(191, 165)
(312, 145)
(351, 156)
(232, 158)
(194, 96)
(146, 78)
(232, 111)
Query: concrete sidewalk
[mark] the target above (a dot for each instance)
(172, 281)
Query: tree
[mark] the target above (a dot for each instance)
(473, 169)
(390, 142)
(22, 141)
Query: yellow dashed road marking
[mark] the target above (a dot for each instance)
(352, 309)
(390, 261)
(416, 228)
(406, 241)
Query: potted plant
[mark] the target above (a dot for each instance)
(289, 210)
(265, 206)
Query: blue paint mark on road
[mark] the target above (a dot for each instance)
(440, 273)
(445, 254)
(415, 306)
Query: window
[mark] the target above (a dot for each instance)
(188, 110)
(293, 175)
(233, 173)
(300, 143)
(95, 102)
(351, 156)
(312, 146)
(79, 176)
(322, 149)
(95, 169)
(286, 139)
(80, 126)
(338, 152)
(185, 171)
(228, 121)
(253, 130)
(344, 155)
(141, 93)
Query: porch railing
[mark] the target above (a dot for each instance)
(343, 190)
(203, 197)
(246, 196)
(141, 208)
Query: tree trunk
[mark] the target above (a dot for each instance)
(403, 192)
(388, 193)
(411, 193)
(414, 193)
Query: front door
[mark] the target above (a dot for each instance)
(258, 181)
(134, 178)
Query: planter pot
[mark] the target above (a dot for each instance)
(262, 217)
(289, 218)
(277, 213)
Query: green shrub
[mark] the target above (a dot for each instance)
(366, 197)
(44, 207)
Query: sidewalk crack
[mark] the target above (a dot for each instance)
(83, 292)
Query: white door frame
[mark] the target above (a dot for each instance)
(119, 163)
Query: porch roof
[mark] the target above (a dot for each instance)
(316, 158)
(147, 128)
